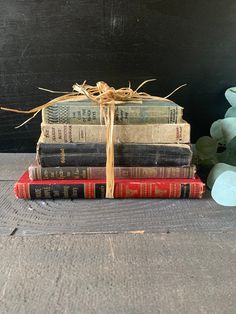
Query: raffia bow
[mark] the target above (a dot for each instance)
(106, 97)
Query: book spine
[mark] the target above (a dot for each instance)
(129, 189)
(36, 172)
(150, 133)
(126, 155)
(67, 113)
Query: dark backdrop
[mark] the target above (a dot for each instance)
(55, 43)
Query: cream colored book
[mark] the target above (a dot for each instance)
(142, 133)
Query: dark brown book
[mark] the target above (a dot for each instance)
(126, 155)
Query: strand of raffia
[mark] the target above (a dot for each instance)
(106, 97)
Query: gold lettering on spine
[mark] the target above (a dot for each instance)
(66, 191)
(129, 192)
(38, 192)
(52, 174)
(60, 173)
(62, 156)
(159, 191)
(46, 191)
(45, 173)
(75, 192)
(143, 192)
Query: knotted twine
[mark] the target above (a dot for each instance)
(107, 98)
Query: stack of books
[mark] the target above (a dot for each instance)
(152, 153)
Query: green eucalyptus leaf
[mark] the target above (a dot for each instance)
(223, 157)
(231, 149)
(228, 127)
(231, 112)
(216, 171)
(216, 131)
(224, 189)
(206, 147)
(230, 95)
(227, 157)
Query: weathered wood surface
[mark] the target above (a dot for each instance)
(103, 216)
(13, 165)
(153, 273)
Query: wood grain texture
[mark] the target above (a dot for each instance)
(54, 44)
(12, 165)
(156, 273)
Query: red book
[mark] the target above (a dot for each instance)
(124, 188)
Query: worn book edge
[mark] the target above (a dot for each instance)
(147, 133)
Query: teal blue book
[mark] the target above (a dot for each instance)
(140, 112)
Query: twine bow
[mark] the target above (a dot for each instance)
(106, 97)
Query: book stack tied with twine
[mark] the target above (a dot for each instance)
(101, 142)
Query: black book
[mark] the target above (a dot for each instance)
(94, 154)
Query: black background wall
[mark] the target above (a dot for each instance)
(55, 43)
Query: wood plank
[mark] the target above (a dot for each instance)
(155, 273)
(112, 216)
(13, 165)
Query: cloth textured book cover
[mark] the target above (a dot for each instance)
(124, 188)
(161, 133)
(139, 112)
(37, 172)
(94, 154)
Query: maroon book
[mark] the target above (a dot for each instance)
(37, 172)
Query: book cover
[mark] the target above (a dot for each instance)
(139, 112)
(37, 172)
(124, 188)
(143, 133)
(94, 154)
